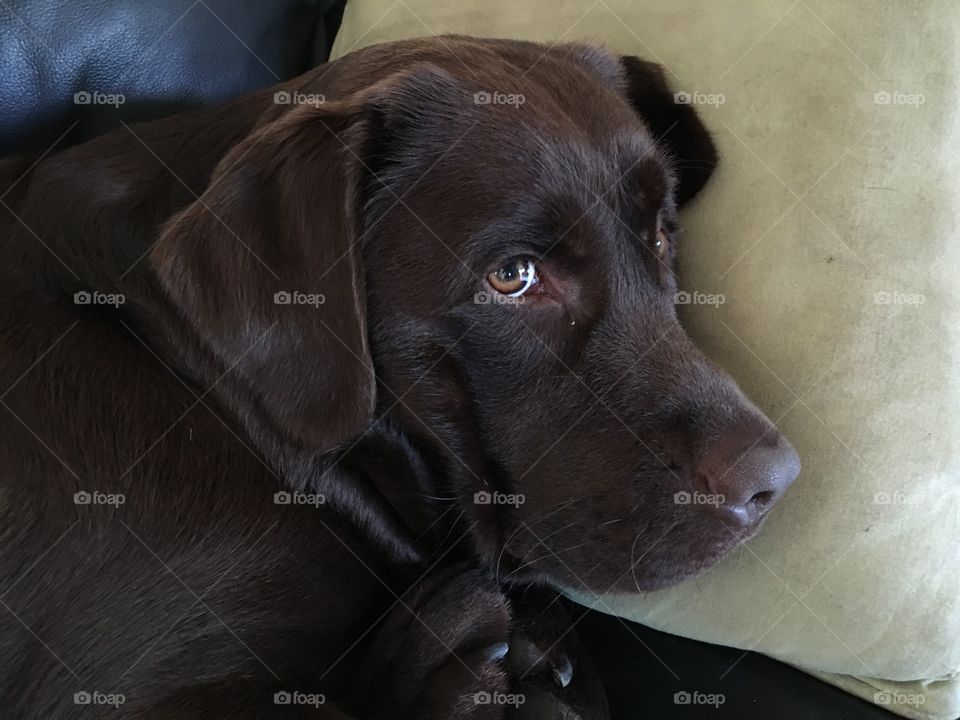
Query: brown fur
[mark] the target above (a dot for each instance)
(397, 399)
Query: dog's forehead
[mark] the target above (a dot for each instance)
(567, 104)
(574, 136)
(582, 84)
(599, 61)
(537, 138)
(546, 64)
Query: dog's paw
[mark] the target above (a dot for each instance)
(441, 652)
(548, 666)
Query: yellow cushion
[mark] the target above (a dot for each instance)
(831, 231)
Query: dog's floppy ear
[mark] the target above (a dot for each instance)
(674, 124)
(266, 268)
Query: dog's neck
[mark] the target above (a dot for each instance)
(412, 489)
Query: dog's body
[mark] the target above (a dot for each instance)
(180, 580)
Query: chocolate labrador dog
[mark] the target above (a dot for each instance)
(308, 399)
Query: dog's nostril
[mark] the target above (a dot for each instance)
(744, 485)
(762, 498)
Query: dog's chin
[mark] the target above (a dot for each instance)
(670, 574)
(682, 565)
(664, 578)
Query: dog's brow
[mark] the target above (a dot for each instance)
(641, 194)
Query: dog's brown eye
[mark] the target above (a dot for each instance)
(662, 244)
(514, 278)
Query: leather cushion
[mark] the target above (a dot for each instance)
(161, 56)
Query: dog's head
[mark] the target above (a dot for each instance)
(477, 249)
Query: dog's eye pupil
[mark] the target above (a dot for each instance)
(662, 245)
(513, 278)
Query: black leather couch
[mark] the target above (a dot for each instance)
(73, 69)
(79, 68)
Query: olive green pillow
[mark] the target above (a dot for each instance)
(830, 231)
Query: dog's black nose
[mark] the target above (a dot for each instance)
(743, 483)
